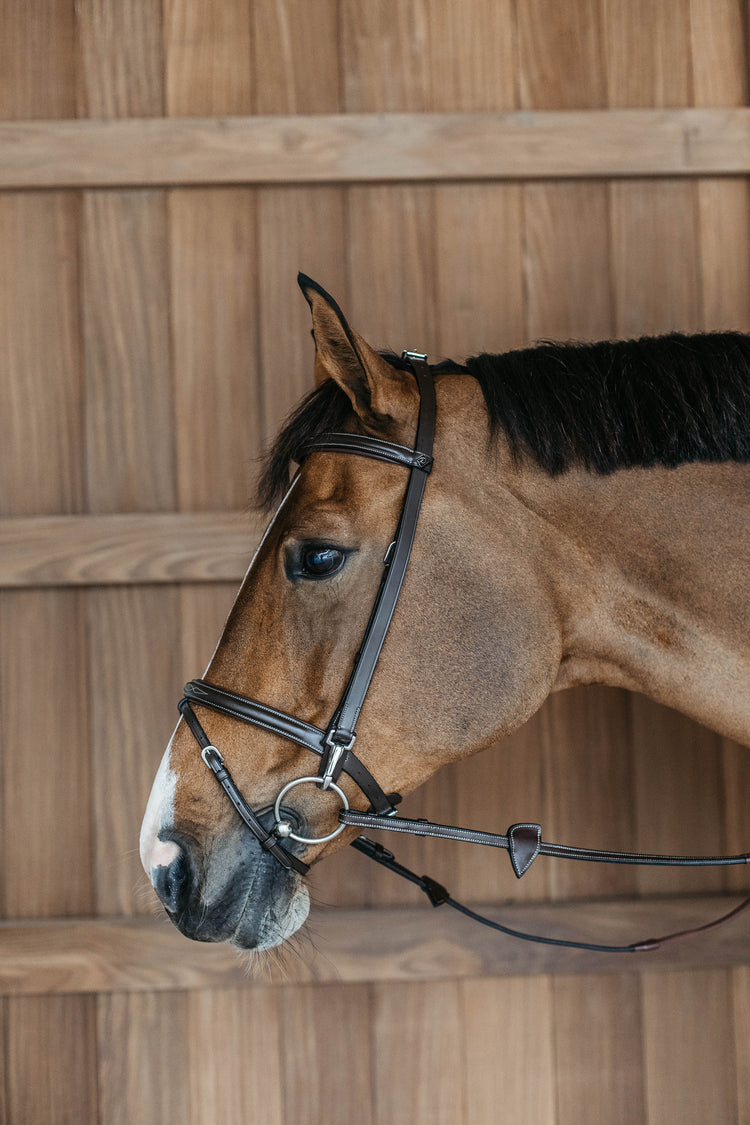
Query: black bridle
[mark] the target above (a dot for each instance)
(334, 746)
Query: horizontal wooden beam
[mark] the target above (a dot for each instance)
(361, 147)
(143, 547)
(414, 943)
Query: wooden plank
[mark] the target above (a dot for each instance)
(51, 1060)
(361, 148)
(40, 389)
(418, 1073)
(46, 772)
(694, 1082)
(325, 1074)
(598, 1051)
(741, 1012)
(207, 50)
(120, 59)
(214, 318)
(143, 1058)
(133, 686)
(130, 548)
(129, 442)
(560, 55)
(133, 954)
(509, 1050)
(295, 56)
(38, 59)
(233, 1056)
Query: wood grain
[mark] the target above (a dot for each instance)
(129, 424)
(130, 548)
(134, 685)
(143, 1058)
(360, 148)
(697, 1082)
(41, 384)
(427, 1083)
(51, 1060)
(207, 58)
(597, 1050)
(214, 346)
(46, 769)
(517, 1079)
(133, 954)
(120, 70)
(741, 1012)
(326, 1075)
(233, 1056)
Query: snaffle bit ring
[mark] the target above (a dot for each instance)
(283, 828)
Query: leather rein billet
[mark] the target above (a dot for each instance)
(334, 746)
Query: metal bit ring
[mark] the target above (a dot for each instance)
(331, 788)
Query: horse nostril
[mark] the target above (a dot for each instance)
(171, 883)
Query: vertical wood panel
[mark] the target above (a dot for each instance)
(130, 449)
(509, 1051)
(480, 280)
(560, 52)
(647, 50)
(208, 58)
(589, 787)
(384, 56)
(296, 56)
(233, 1057)
(567, 259)
(741, 995)
(472, 61)
(51, 1060)
(325, 1044)
(45, 764)
(37, 59)
(40, 391)
(215, 346)
(120, 58)
(689, 1048)
(678, 794)
(419, 1072)
(134, 686)
(392, 264)
(599, 1066)
(143, 1051)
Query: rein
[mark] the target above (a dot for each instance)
(334, 746)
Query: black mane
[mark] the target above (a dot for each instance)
(660, 400)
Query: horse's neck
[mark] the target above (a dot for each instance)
(651, 572)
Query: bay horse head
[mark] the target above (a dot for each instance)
(510, 593)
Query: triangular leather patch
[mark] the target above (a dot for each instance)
(524, 841)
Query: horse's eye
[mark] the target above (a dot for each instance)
(321, 562)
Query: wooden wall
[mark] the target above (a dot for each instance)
(151, 339)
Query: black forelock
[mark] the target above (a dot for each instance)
(662, 400)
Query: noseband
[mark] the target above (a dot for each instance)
(334, 745)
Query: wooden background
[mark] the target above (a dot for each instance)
(151, 339)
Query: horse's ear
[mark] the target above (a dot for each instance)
(382, 396)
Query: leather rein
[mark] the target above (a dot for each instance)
(334, 746)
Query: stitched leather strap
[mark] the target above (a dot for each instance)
(305, 734)
(372, 447)
(350, 706)
(524, 842)
(213, 759)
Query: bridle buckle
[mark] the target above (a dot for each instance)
(339, 742)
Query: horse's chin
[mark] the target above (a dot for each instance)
(274, 926)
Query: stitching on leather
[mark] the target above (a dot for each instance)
(243, 699)
(525, 867)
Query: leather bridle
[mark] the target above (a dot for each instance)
(335, 745)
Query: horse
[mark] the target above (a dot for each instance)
(583, 517)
